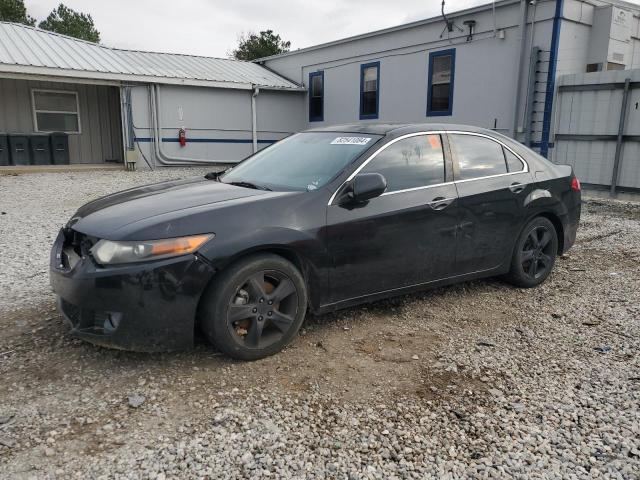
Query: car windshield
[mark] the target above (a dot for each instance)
(304, 161)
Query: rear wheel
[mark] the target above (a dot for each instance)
(534, 254)
(255, 308)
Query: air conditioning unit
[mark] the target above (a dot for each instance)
(610, 39)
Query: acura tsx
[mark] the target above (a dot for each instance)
(324, 219)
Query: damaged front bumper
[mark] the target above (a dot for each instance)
(142, 307)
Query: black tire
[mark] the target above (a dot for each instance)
(534, 254)
(255, 307)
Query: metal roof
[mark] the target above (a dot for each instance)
(28, 50)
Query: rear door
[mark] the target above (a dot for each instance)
(493, 183)
(404, 237)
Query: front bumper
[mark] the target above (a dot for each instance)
(142, 307)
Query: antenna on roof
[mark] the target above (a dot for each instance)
(448, 27)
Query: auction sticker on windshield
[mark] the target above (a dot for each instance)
(350, 141)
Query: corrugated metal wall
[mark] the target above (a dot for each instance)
(218, 121)
(101, 137)
(587, 120)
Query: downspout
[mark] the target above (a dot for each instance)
(524, 10)
(161, 156)
(254, 118)
(152, 132)
(551, 81)
(123, 124)
(495, 29)
(530, 85)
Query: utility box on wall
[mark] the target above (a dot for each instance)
(610, 42)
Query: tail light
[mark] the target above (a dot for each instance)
(575, 184)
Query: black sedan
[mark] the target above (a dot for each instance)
(325, 219)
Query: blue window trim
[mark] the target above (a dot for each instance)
(319, 118)
(371, 116)
(442, 53)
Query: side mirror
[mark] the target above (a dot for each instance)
(366, 186)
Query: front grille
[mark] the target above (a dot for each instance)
(91, 321)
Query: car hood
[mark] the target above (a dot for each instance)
(105, 216)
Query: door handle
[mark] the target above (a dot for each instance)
(517, 187)
(440, 203)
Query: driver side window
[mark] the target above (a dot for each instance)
(410, 163)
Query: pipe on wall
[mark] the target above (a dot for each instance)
(162, 157)
(124, 123)
(254, 118)
(495, 28)
(526, 124)
(524, 10)
(617, 160)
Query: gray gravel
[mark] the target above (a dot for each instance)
(477, 380)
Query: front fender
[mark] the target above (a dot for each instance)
(306, 248)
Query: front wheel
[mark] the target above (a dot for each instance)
(255, 308)
(534, 254)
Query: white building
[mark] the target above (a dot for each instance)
(495, 66)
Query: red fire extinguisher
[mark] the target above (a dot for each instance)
(182, 137)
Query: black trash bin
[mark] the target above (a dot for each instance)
(60, 148)
(19, 149)
(4, 149)
(40, 146)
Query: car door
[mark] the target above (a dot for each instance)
(404, 237)
(492, 183)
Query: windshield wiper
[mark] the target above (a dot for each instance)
(250, 185)
(215, 175)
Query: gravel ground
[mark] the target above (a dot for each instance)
(476, 380)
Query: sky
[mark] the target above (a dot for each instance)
(212, 27)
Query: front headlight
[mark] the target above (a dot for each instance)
(107, 252)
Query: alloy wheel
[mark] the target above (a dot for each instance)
(536, 256)
(263, 309)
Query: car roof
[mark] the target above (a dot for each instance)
(394, 129)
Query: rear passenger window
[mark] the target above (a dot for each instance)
(514, 164)
(410, 163)
(477, 156)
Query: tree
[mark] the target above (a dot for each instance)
(69, 22)
(252, 46)
(15, 11)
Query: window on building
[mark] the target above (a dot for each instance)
(477, 156)
(55, 111)
(514, 164)
(410, 163)
(369, 90)
(441, 78)
(316, 96)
